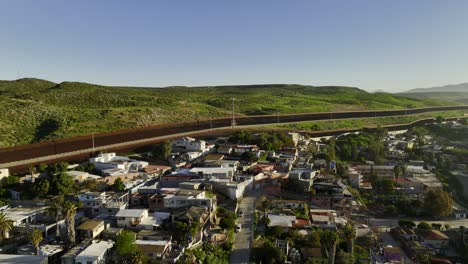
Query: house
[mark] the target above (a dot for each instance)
(303, 178)
(173, 180)
(82, 176)
(355, 178)
(4, 172)
(226, 150)
(23, 259)
(379, 170)
(95, 253)
(110, 161)
(140, 219)
(289, 204)
(188, 144)
(186, 198)
(21, 216)
(323, 218)
(285, 221)
(433, 238)
(91, 229)
(190, 185)
(96, 203)
(214, 172)
(239, 149)
(130, 217)
(233, 190)
(155, 170)
(154, 249)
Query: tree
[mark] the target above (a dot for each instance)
(344, 258)
(406, 223)
(329, 240)
(424, 225)
(61, 184)
(118, 185)
(312, 193)
(162, 150)
(349, 233)
(437, 203)
(227, 222)
(268, 253)
(42, 167)
(36, 237)
(55, 210)
(126, 248)
(248, 156)
(10, 181)
(69, 210)
(5, 226)
(41, 188)
(313, 239)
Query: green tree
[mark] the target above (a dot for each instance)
(424, 225)
(344, 258)
(437, 203)
(55, 210)
(349, 233)
(227, 222)
(42, 167)
(269, 253)
(124, 243)
(118, 185)
(313, 239)
(61, 184)
(406, 223)
(329, 240)
(162, 150)
(10, 181)
(36, 237)
(5, 226)
(248, 156)
(69, 210)
(41, 188)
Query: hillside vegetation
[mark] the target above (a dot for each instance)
(456, 97)
(33, 110)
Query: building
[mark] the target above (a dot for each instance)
(22, 216)
(188, 144)
(106, 161)
(288, 204)
(95, 253)
(239, 149)
(434, 239)
(23, 259)
(392, 254)
(4, 172)
(154, 249)
(304, 178)
(214, 172)
(82, 176)
(91, 229)
(380, 171)
(233, 190)
(355, 178)
(130, 217)
(186, 198)
(96, 203)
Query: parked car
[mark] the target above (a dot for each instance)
(238, 228)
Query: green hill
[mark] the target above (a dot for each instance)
(33, 110)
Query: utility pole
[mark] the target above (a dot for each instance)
(233, 113)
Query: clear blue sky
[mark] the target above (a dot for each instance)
(373, 44)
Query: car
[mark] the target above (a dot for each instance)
(238, 228)
(240, 213)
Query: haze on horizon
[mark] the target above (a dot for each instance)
(373, 45)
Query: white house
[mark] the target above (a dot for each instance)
(95, 253)
(130, 217)
(106, 161)
(188, 144)
(4, 172)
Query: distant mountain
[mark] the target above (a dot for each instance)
(463, 87)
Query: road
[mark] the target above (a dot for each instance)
(391, 222)
(243, 240)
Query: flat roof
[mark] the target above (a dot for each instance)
(19, 213)
(90, 224)
(96, 249)
(130, 212)
(23, 259)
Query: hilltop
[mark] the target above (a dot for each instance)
(463, 87)
(33, 110)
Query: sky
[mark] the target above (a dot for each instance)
(390, 45)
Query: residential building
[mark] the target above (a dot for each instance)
(82, 176)
(355, 178)
(154, 249)
(214, 172)
(379, 170)
(4, 172)
(111, 161)
(188, 144)
(96, 203)
(288, 204)
(239, 149)
(23, 259)
(233, 190)
(22, 216)
(392, 254)
(130, 217)
(283, 245)
(433, 238)
(95, 253)
(91, 229)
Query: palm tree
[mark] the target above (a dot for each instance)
(55, 210)
(5, 226)
(69, 209)
(350, 234)
(329, 240)
(36, 238)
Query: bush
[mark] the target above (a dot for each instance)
(406, 223)
(424, 225)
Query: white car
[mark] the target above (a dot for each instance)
(238, 228)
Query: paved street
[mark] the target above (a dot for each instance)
(243, 239)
